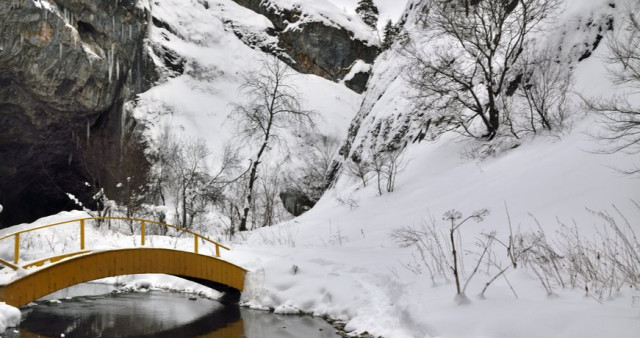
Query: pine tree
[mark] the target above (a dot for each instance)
(368, 12)
(391, 32)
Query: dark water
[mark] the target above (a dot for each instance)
(155, 314)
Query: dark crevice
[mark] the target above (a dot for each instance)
(85, 28)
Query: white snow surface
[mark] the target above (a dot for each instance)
(338, 260)
(197, 104)
(389, 9)
(9, 316)
(328, 12)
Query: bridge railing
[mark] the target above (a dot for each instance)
(82, 223)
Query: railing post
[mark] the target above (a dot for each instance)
(16, 249)
(142, 233)
(82, 234)
(217, 250)
(195, 244)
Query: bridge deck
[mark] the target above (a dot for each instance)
(212, 271)
(85, 265)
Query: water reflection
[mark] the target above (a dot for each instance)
(152, 314)
(157, 314)
(260, 324)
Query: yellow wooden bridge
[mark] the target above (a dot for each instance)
(61, 271)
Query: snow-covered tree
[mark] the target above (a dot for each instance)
(391, 32)
(182, 179)
(368, 11)
(316, 155)
(462, 77)
(620, 115)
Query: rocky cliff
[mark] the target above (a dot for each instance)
(66, 68)
(389, 119)
(316, 45)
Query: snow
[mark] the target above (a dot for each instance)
(216, 64)
(349, 269)
(328, 12)
(9, 316)
(389, 9)
(358, 67)
(339, 260)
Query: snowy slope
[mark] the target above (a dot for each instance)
(388, 116)
(327, 12)
(216, 61)
(343, 249)
(389, 9)
(347, 252)
(338, 260)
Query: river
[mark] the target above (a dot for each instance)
(94, 310)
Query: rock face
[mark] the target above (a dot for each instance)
(389, 119)
(66, 68)
(296, 202)
(314, 47)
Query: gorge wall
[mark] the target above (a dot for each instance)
(315, 47)
(66, 68)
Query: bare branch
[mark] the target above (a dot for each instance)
(274, 106)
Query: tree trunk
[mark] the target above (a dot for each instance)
(252, 179)
(184, 206)
(494, 119)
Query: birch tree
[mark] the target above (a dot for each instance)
(274, 106)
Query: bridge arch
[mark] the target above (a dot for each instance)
(209, 271)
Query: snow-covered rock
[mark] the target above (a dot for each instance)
(9, 316)
(389, 117)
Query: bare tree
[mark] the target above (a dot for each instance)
(274, 105)
(268, 207)
(545, 88)
(188, 175)
(387, 165)
(230, 207)
(619, 116)
(181, 176)
(359, 170)
(473, 50)
(162, 159)
(317, 156)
